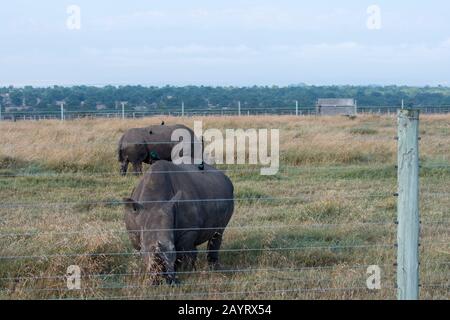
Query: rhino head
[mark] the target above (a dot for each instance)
(151, 227)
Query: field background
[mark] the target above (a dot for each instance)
(340, 172)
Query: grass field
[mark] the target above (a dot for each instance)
(341, 173)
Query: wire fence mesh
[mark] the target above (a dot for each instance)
(20, 279)
(179, 111)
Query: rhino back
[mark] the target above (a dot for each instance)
(160, 139)
(133, 146)
(207, 196)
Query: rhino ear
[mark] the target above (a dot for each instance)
(132, 205)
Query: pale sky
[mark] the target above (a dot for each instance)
(241, 43)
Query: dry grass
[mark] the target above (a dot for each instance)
(343, 168)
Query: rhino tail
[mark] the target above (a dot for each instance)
(120, 151)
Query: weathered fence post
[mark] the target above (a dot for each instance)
(182, 108)
(62, 111)
(123, 110)
(0, 112)
(239, 108)
(408, 205)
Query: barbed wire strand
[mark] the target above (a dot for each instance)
(284, 169)
(290, 169)
(198, 272)
(178, 286)
(275, 226)
(256, 292)
(194, 284)
(96, 232)
(145, 143)
(61, 255)
(112, 203)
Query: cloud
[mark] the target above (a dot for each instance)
(135, 19)
(350, 49)
(314, 63)
(237, 42)
(266, 17)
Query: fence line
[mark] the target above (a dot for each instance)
(436, 286)
(278, 226)
(210, 272)
(95, 231)
(178, 286)
(45, 204)
(177, 111)
(226, 283)
(183, 294)
(285, 169)
(112, 203)
(425, 224)
(71, 144)
(62, 255)
(258, 292)
(287, 248)
(116, 144)
(200, 272)
(114, 173)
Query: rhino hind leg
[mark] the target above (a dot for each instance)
(213, 250)
(137, 168)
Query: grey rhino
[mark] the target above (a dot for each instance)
(174, 209)
(146, 145)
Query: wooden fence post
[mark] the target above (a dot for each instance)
(408, 205)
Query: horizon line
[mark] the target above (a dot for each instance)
(147, 85)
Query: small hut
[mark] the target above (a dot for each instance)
(331, 107)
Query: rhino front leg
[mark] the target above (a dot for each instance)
(187, 259)
(137, 168)
(213, 247)
(124, 167)
(170, 276)
(187, 252)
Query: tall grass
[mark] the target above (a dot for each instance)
(340, 171)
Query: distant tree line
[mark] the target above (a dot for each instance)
(88, 98)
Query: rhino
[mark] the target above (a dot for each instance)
(175, 208)
(146, 145)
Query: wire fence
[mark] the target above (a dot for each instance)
(19, 278)
(102, 254)
(147, 275)
(235, 270)
(46, 257)
(50, 173)
(90, 231)
(284, 200)
(178, 111)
